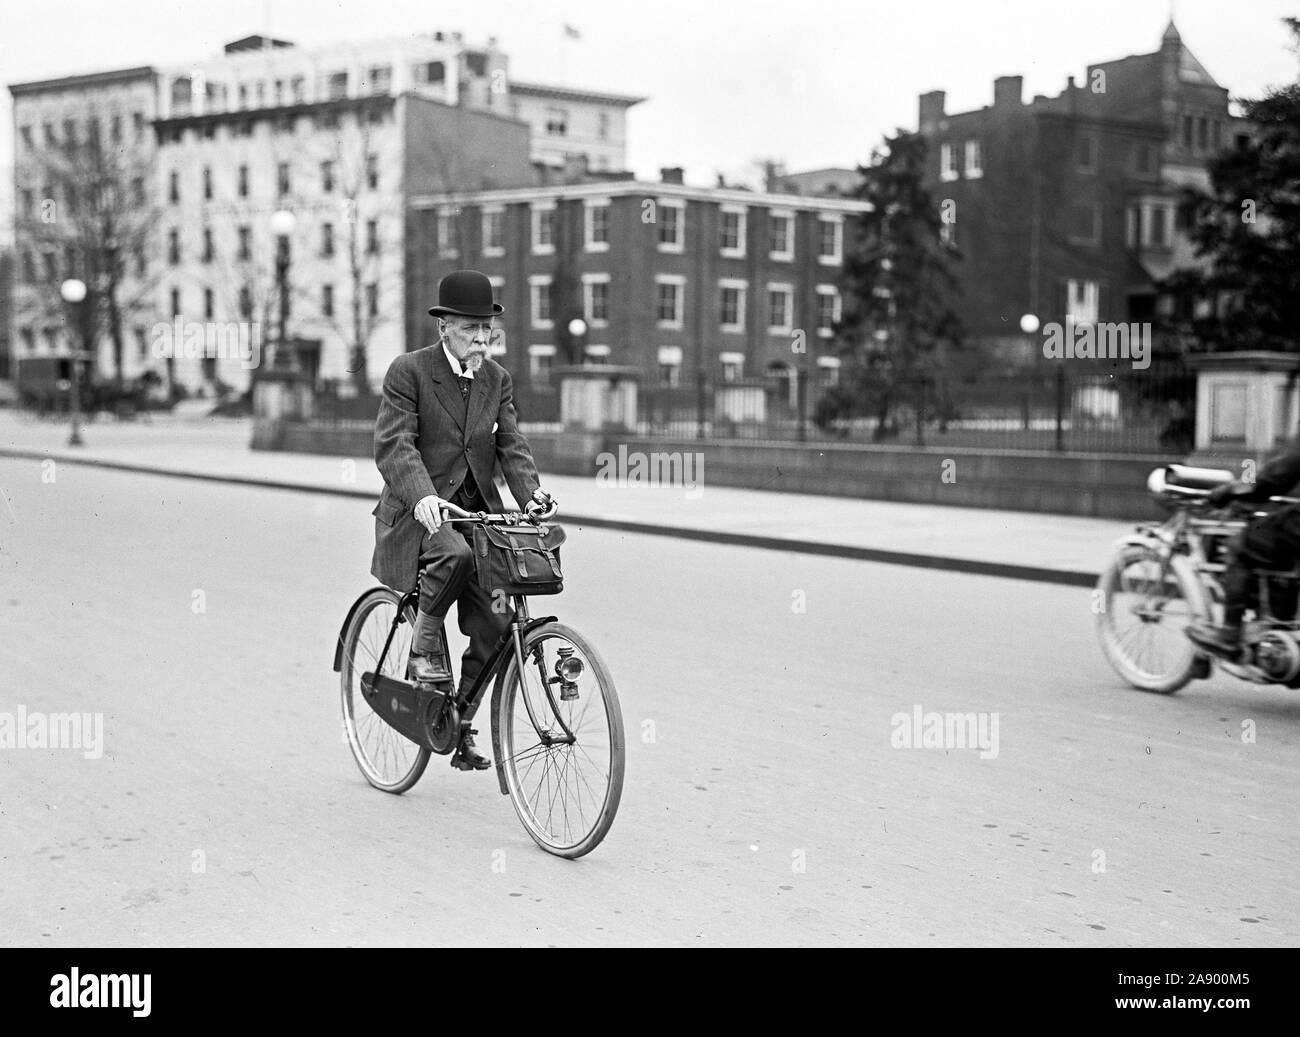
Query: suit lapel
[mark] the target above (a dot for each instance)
(446, 387)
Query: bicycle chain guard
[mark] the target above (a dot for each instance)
(418, 712)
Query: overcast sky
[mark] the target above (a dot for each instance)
(813, 82)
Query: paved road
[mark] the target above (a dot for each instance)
(769, 807)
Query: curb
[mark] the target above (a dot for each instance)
(1006, 570)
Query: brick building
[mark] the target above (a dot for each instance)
(1066, 205)
(683, 283)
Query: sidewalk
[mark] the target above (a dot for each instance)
(1024, 545)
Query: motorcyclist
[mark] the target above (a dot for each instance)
(1271, 542)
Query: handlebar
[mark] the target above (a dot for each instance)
(513, 518)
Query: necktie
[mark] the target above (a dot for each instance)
(464, 385)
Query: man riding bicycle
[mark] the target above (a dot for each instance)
(1272, 542)
(446, 421)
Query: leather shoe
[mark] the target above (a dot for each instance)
(467, 757)
(428, 669)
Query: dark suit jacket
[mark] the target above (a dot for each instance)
(424, 445)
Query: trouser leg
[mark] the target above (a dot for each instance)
(1271, 543)
(446, 566)
(483, 618)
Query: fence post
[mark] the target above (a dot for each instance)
(1060, 407)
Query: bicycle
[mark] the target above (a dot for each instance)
(393, 726)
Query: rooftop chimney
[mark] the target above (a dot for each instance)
(1008, 91)
(672, 175)
(931, 110)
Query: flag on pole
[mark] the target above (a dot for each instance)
(571, 33)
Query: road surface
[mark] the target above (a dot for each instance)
(764, 802)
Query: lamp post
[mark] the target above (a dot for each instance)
(283, 223)
(74, 293)
(577, 329)
(1029, 326)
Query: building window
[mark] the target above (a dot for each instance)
(1202, 133)
(245, 238)
(207, 183)
(782, 236)
(327, 176)
(602, 125)
(672, 220)
(137, 122)
(327, 240)
(1143, 159)
(173, 187)
(207, 304)
(540, 360)
(948, 234)
(282, 178)
(372, 172)
(1086, 155)
(137, 190)
(372, 300)
(543, 230)
(28, 267)
(557, 122)
(493, 232)
(733, 305)
(245, 302)
(28, 207)
(669, 291)
(596, 225)
(670, 365)
(447, 246)
(828, 309)
(47, 129)
(208, 252)
(372, 237)
(595, 299)
(780, 308)
(243, 181)
(26, 134)
(830, 240)
(381, 79)
(141, 264)
(327, 300)
(733, 366)
(176, 302)
(733, 232)
(539, 299)
(337, 86)
(828, 371)
(948, 162)
(1082, 301)
(173, 246)
(974, 160)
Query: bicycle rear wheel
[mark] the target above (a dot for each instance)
(390, 761)
(566, 795)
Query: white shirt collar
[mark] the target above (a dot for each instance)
(456, 367)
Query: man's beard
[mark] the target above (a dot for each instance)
(474, 359)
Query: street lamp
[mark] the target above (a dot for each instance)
(578, 328)
(74, 292)
(283, 223)
(1029, 325)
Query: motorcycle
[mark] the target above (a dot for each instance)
(1166, 575)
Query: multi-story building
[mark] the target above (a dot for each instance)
(339, 136)
(1067, 205)
(6, 305)
(72, 136)
(686, 284)
(567, 123)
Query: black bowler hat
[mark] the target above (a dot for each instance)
(466, 293)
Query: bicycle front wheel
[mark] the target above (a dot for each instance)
(1146, 604)
(389, 760)
(565, 793)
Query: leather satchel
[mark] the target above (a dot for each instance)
(523, 559)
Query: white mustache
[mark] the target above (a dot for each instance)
(474, 358)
